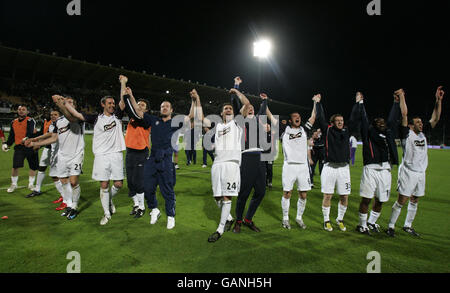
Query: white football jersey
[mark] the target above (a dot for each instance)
(108, 135)
(228, 142)
(295, 145)
(415, 152)
(54, 146)
(70, 136)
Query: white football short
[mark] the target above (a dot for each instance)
(410, 182)
(44, 161)
(296, 173)
(336, 175)
(108, 167)
(225, 179)
(375, 182)
(69, 166)
(53, 165)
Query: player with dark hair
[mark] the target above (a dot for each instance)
(379, 154)
(411, 172)
(159, 168)
(22, 128)
(138, 146)
(336, 171)
(48, 156)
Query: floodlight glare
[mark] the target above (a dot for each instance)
(262, 48)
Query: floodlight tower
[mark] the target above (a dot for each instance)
(261, 50)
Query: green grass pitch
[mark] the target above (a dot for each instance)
(35, 238)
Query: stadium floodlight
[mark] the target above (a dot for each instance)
(262, 48)
(167, 92)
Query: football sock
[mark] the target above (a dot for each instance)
(219, 203)
(14, 179)
(363, 220)
(341, 211)
(114, 191)
(67, 194)
(135, 200)
(396, 209)
(140, 198)
(411, 214)
(301, 204)
(226, 208)
(31, 180)
(58, 186)
(285, 203)
(373, 217)
(75, 196)
(104, 198)
(326, 213)
(40, 178)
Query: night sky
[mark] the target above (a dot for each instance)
(330, 47)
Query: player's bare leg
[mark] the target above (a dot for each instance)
(326, 205)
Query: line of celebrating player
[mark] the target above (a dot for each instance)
(240, 162)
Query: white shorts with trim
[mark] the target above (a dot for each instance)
(108, 167)
(336, 175)
(225, 179)
(375, 182)
(44, 161)
(296, 173)
(410, 182)
(69, 166)
(53, 166)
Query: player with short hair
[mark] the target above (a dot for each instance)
(379, 154)
(138, 145)
(69, 133)
(22, 128)
(296, 166)
(48, 156)
(411, 172)
(108, 143)
(336, 171)
(159, 168)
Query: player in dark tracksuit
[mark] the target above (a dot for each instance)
(159, 169)
(317, 154)
(253, 170)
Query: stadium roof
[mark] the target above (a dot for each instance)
(18, 64)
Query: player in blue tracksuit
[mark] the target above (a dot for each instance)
(159, 168)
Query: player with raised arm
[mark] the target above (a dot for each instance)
(336, 171)
(48, 157)
(296, 166)
(138, 145)
(159, 168)
(107, 145)
(411, 172)
(379, 154)
(69, 132)
(22, 128)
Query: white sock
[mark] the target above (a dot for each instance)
(31, 180)
(67, 194)
(219, 203)
(285, 204)
(114, 191)
(373, 217)
(411, 214)
(326, 213)
(40, 178)
(75, 196)
(141, 203)
(58, 186)
(230, 217)
(226, 208)
(14, 179)
(104, 198)
(396, 209)
(301, 204)
(363, 220)
(341, 211)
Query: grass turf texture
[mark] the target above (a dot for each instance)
(36, 238)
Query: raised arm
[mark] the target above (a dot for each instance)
(123, 84)
(437, 107)
(243, 99)
(320, 114)
(400, 94)
(74, 112)
(60, 102)
(134, 109)
(359, 99)
(273, 120)
(394, 114)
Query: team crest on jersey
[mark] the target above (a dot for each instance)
(224, 131)
(419, 143)
(109, 126)
(294, 136)
(157, 123)
(63, 129)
